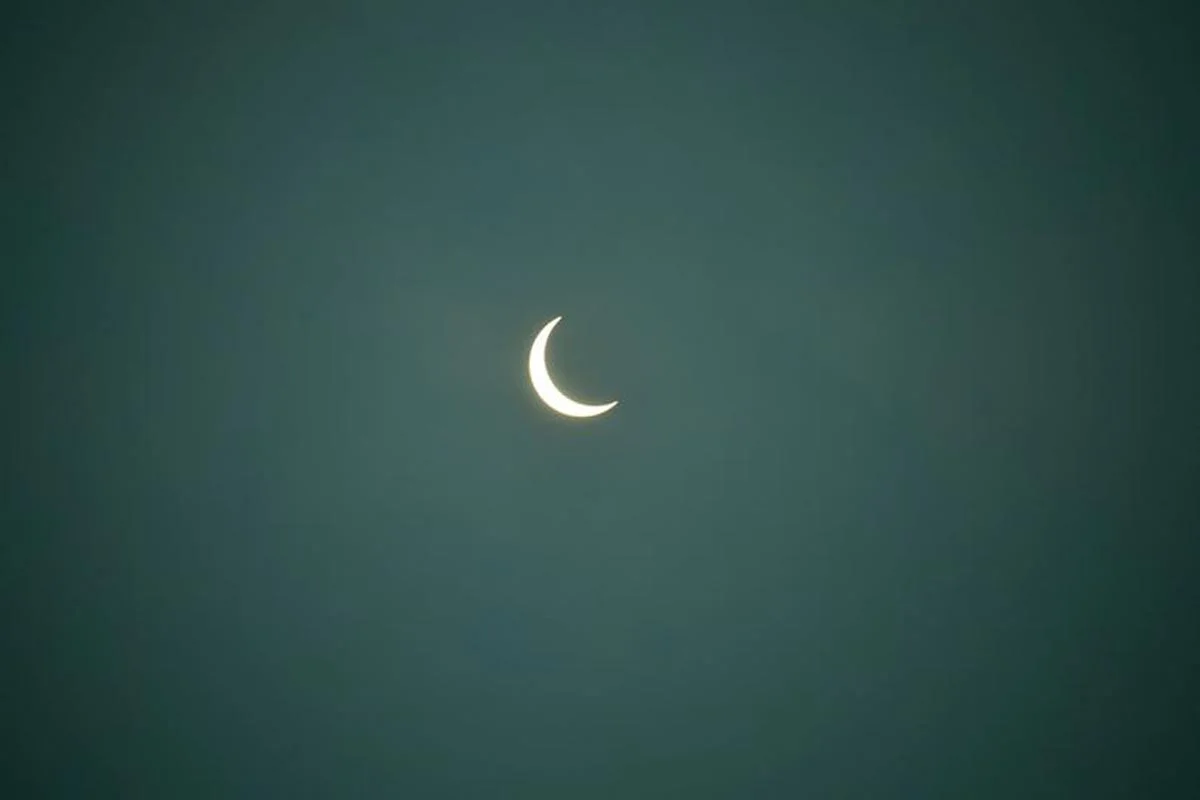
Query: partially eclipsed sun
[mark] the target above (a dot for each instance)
(539, 376)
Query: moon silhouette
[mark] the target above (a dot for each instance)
(539, 376)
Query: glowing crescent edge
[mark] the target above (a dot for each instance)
(539, 376)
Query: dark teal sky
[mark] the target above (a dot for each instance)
(900, 301)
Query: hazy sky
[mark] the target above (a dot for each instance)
(899, 300)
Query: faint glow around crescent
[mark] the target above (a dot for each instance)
(544, 386)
